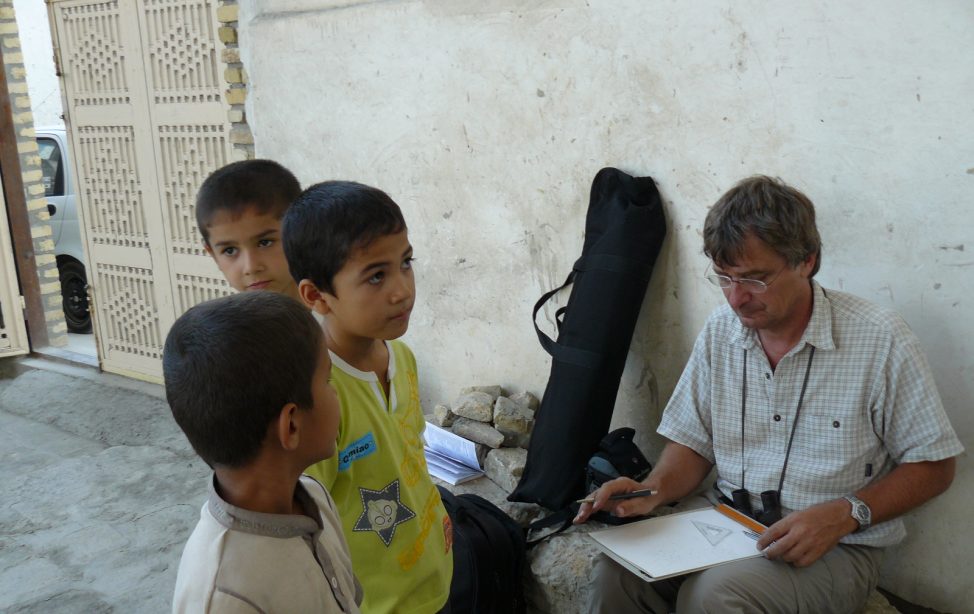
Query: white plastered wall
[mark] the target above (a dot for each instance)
(487, 119)
(42, 81)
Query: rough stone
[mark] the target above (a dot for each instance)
(504, 466)
(514, 421)
(526, 399)
(475, 405)
(478, 432)
(443, 416)
(493, 391)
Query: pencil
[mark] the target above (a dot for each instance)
(646, 492)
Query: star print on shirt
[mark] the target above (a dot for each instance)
(382, 511)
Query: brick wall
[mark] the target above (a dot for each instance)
(236, 77)
(30, 167)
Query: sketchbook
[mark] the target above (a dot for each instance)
(450, 457)
(676, 544)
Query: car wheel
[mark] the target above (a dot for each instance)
(74, 296)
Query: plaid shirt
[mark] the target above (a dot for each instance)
(871, 404)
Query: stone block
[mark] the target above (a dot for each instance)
(493, 391)
(228, 13)
(236, 95)
(478, 432)
(514, 421)
(526, 399)
(39, 231)
(505, 465)
(227, 34)
(230, 55)
(241, 135)
(475, 405)
(443, 416)
(233, 75)
(27, 146)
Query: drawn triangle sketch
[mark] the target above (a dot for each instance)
(713, 534)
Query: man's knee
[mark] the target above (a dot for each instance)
(616, 590)
(754, 585)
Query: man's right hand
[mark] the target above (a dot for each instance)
(622, 508)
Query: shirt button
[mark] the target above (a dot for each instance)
(835, 424)
(767, 376)
(334, 582)
(777, 418)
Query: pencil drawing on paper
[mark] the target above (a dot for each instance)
(712, 533)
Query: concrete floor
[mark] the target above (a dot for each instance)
(100, 492)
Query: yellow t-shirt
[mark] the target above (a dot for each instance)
(397, 529)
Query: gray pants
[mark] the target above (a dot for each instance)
(838, 582)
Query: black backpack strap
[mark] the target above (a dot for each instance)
(562, 518)
(564, 353)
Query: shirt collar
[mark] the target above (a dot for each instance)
(817, 333)
(258, 523)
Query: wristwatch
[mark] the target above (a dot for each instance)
(860, 512)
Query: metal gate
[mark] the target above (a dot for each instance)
(147, 120)
(13, 331)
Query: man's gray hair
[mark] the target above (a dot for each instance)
(773, 212)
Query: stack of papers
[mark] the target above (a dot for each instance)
(676, 544)
(450, 457)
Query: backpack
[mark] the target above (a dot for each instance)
(618, 455)
(624, 230)
(488, 557)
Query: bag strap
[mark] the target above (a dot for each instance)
(575, 356)
(563, 516)
(594, 262)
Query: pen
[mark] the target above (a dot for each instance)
(646, 492)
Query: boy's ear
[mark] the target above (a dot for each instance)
(312, 297)
(288, 427)
(208, 249)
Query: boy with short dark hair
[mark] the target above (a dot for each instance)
(247, 378)
(348, 249)
(238, 212)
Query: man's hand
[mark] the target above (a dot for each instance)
(801, 538)
(626, 507)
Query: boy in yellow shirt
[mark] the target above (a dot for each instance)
(348, 249)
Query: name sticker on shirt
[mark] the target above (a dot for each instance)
(356, 450)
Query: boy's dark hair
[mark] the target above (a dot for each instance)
(262, 184)
(330, 220)
(231, 364)
(773, 211)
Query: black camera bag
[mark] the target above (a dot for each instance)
(624, 230)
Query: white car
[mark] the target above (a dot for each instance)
(59, 189)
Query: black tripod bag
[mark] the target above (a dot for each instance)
(624, 231)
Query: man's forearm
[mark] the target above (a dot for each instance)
(678, 472)
(906, 487)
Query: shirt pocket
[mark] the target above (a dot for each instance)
(834, 450)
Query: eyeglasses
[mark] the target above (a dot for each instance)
(754, 286)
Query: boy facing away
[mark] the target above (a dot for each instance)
(238, 211)
(247, 380)
(347, 247)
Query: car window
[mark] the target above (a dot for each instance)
(51, 167)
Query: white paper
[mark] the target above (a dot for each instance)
(665, 546)
(450, 457)
(453, 446)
